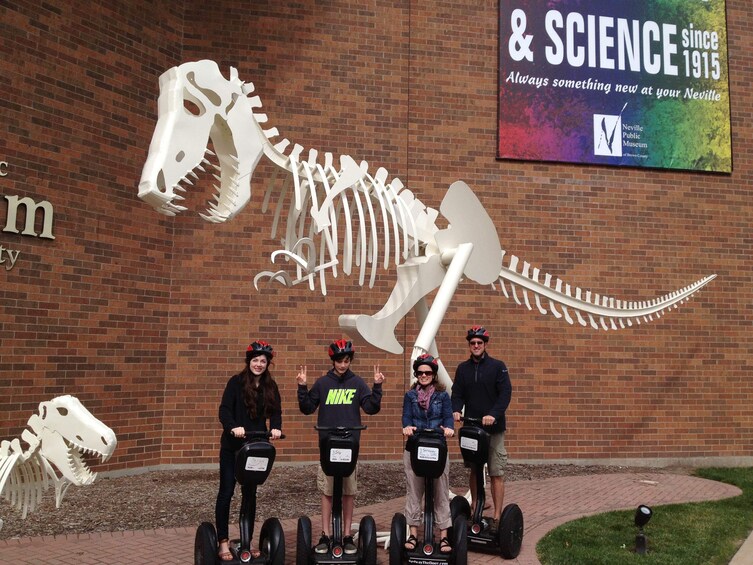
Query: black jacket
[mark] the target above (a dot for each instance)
(483, 389)
(233, 413)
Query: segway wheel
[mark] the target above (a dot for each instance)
(510, 531)
(460, 540)
(303, 541)
(367, 544)
(272, 541)
(397, 539)
(205, 545)
(459, 505)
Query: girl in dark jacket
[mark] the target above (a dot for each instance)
(250, 399)
(427, 405)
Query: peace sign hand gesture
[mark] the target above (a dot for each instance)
(301, 376)
(378, 377)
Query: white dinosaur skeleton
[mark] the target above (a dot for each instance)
(61, 435)
(357, 215)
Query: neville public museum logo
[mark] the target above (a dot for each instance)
(608, 134)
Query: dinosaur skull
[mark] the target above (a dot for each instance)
(67, 431)
(197, 104)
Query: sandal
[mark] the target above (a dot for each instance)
(255, 553)
(225, 555)
(411, 543)
(444, 546)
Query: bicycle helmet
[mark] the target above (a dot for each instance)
(341, 348)
(479, 332)
(259, 348)
(426, 359)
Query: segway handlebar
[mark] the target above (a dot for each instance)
(338, 428)
(430, 431)
(255, 434)
(473, 421)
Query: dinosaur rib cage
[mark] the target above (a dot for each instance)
(347, 210)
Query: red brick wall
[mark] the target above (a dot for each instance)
(86, 313)
(145, 318)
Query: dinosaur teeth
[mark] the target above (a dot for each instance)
(193, 174)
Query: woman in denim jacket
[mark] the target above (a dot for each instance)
(427, 405)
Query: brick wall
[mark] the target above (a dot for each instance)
(145, 318)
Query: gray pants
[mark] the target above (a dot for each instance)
(414, 508)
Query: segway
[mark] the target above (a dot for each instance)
(428, 456)
(474, 446)
(338, 454)
(253, 463)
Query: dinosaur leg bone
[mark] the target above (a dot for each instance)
(469, 244)
(469, 223)
(416, 278)
(422, 314)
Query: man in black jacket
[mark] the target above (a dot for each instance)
(482, 386)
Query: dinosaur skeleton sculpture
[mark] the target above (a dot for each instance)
(61, 435)
(358, 216)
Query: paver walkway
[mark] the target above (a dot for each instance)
(545, 505)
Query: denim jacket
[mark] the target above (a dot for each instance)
(438, 414)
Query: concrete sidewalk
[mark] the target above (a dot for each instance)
(545, 505)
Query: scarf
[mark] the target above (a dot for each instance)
(424, 395)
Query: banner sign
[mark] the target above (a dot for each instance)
(640, 83)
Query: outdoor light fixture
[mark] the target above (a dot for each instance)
(642, 516)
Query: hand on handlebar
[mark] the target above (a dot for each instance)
(448, 432)
(408, 430)
(238, 432)
(456, 416)
(275, 434)
(488, 420)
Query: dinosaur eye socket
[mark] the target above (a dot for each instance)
(179, 157)
(62, 411)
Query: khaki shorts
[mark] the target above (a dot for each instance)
(325, 484)
(497, 455)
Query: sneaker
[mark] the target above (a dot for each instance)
(323, 545)
(348, 546)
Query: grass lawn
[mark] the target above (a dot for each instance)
(707, 533)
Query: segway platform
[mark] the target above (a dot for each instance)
(507, 540)
(338, 455)
(253, 464)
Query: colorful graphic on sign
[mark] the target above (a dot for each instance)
(630, 82)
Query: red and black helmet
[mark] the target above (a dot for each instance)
(426, 359)
(257, 348)
(479, 332)
(341, 348)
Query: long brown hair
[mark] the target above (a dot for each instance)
(267, 387)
